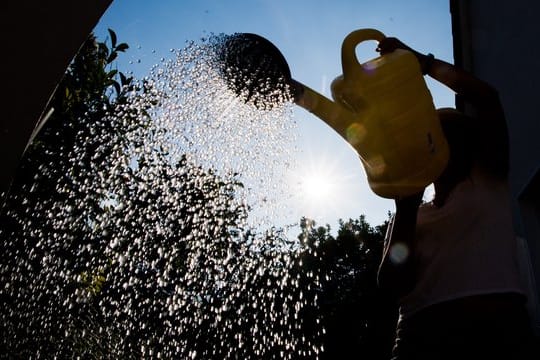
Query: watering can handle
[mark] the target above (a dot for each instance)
(351, 66)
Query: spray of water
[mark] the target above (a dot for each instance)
(157, 240)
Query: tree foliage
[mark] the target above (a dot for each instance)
(358, 320)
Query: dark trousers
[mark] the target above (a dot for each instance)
(495, 326)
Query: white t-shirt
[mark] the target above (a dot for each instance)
(466, 247)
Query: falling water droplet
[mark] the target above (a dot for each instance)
(162, 239)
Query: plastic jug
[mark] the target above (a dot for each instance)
(384, 109)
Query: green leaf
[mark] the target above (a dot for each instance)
(122, 47)
(113, 38)
(112, 57)
(123, 79)
(117, 87)
(112, 73)
(103, 49)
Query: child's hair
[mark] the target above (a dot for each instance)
(459, 132)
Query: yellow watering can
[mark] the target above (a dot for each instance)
(382, 107)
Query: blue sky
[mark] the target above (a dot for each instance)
(309, 34)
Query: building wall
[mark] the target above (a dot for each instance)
(498, 41)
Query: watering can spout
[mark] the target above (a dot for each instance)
(334, 115)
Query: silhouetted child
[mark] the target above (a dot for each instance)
(452, 262)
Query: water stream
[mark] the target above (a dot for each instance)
(156, 238)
